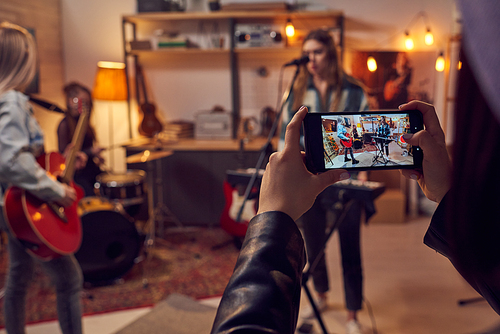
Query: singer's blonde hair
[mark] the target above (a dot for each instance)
(17, 57)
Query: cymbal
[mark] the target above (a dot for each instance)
(147, 155)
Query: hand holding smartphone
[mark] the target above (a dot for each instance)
(361, 140)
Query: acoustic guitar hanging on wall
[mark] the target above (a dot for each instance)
(150, 125)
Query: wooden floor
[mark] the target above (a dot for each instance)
(410, 289)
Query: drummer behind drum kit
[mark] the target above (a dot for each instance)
(111, 243)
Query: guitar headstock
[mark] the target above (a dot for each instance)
(82, 105)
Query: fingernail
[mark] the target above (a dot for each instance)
(401, 106)
(344, 176)
(408, 136)
(302, 108)
(414, 177)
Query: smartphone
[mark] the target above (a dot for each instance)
(364, 140)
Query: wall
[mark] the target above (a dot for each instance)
(45, 18)
(92, 32)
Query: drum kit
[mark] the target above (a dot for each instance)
(111, 242)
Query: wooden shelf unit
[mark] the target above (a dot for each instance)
(302, 20)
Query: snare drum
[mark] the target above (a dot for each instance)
(110, 241)
(127, 189)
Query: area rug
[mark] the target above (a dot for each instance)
(195, 262)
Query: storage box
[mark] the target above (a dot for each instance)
(213, 125)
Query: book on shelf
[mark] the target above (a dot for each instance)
(178, 129)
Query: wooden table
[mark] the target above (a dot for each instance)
(192, 176)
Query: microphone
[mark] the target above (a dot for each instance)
(298, 62)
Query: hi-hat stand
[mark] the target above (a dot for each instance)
(158, 212)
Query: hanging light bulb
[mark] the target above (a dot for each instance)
(409, 41)
(289, 28)
(440, 63)
(372, 64)
(429, 37)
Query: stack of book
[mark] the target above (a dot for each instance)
(176, 130)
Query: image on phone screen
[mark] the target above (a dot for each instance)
(362, 140)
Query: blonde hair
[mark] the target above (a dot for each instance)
(17, 57)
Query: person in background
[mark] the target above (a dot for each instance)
(396, 87)
(322, 86)
(21, 142)
(78, 96)
(384, 131)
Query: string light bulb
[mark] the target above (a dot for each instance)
(440, 63)
(372, 64)
(409, 41)
(289, 28)
(429, 37)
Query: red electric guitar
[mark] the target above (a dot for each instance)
(46, 229)
(347, 143)
(234, 199)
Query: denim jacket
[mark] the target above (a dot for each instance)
(352, 98)
(21, 141)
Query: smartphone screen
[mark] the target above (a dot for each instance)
(361, 140)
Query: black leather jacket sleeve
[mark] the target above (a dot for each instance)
(439, 238)
(263, 294)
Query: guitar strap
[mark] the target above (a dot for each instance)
(47, 105)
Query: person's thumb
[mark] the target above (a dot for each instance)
(425, 141)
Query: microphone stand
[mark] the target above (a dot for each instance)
(265, 147)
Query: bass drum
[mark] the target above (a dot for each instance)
(110, 242)
(357, 144)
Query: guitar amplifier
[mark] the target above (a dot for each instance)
(213, 125)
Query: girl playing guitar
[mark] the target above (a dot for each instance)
(346, 140)
(21, 142)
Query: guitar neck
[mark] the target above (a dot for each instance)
(141, 83)
(77, 143)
